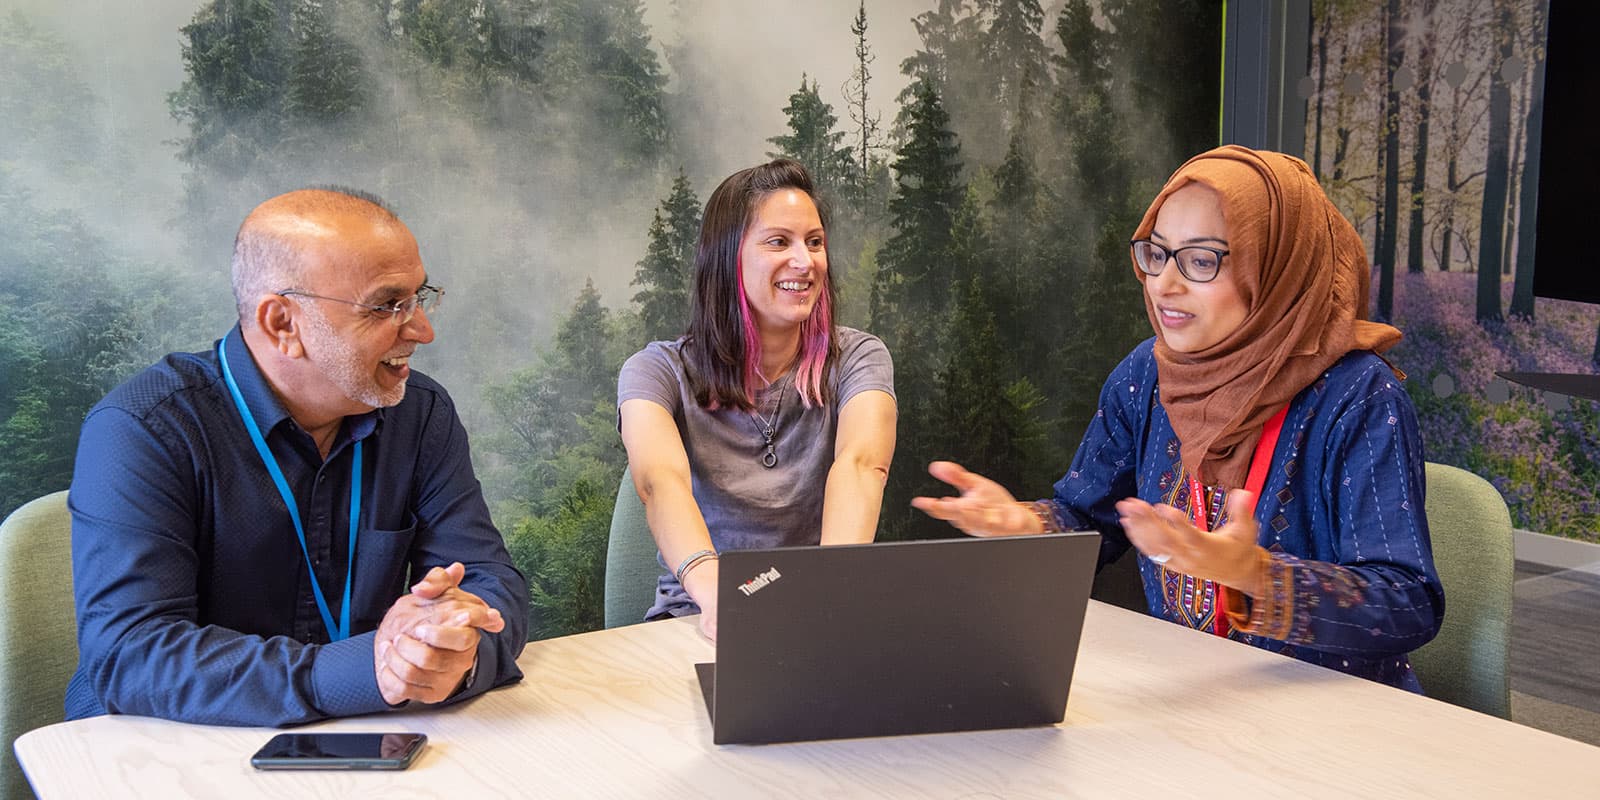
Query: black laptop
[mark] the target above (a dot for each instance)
(895, 638)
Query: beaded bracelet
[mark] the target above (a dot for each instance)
(692, 561)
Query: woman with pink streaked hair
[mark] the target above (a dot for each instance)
(765, 424)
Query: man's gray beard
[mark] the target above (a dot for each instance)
(342, 365)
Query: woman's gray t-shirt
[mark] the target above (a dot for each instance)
(745, 504)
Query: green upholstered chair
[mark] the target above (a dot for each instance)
(38, 639)
(631, 566)
(1468, 662)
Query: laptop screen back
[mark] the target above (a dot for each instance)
(893, 638)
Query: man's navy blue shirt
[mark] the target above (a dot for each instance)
(193, 597)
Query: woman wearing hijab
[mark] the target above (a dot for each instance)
(764, 425)
(1257, 453)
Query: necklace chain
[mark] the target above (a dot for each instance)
(768, 428)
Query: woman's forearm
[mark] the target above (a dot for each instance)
(853, 498)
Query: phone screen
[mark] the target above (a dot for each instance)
(339, 751)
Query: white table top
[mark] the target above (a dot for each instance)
(618, 714)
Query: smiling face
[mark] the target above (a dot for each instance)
(361, 357)
(783, 260)
(1194, 316)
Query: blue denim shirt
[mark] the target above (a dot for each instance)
(1341, 514)
(193, 598)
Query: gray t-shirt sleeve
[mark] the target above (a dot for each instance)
(651, 374)
(864, 365)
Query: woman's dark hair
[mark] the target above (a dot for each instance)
(722, 348)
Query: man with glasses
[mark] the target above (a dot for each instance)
(286, 527)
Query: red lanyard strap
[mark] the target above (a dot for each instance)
(1261, 460)
(1260, 463)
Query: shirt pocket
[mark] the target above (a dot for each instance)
(382, 557)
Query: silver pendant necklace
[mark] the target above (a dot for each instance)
(769, 431)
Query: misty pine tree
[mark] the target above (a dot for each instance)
(1082, 61)
(667, 270)
(1098, 187)
(858, 222)
(69, 334)
(563, 556)
(560, 447)
(913, 274)
(813, 141)
(1097, 158)
(1015, 183)
(952, 59)
(971, 254)
(936, 28)
(514, 41)
(1160, 72)
(544, 407)
(496, 42)
(237, 56)
(1016, 57)
(856, 95)
(325, 79)
(1019, 244)
(446, 32)
(600, 57)
(984, 410)
(39, 127)
(581, 345)
(912, 286)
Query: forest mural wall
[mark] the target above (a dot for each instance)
(985, 161)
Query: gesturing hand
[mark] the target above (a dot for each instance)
(984, 507)
(1229, 555)
(428, 640)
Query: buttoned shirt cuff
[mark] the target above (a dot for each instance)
(467, 679)
(343, 678)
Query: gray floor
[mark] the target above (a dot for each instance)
(1555, 651)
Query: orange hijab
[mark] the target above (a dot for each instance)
(1302, 271)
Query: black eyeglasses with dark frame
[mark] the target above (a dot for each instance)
(401, 311)
(1196, 263)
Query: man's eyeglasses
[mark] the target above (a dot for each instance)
(401, 311)
(1198, 264)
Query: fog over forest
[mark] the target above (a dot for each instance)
(749, 55)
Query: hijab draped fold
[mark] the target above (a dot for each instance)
(1302, 272)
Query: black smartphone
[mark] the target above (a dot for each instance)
(339, 751)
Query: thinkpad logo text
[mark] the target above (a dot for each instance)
(759, 582)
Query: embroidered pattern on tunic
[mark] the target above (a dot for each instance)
(1051, 515)
(1187, 600)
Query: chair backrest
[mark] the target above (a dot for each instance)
(1468, 662)
(631, 566)
(38, 637)
(1120, 584)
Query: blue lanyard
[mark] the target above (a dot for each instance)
(343, 629)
